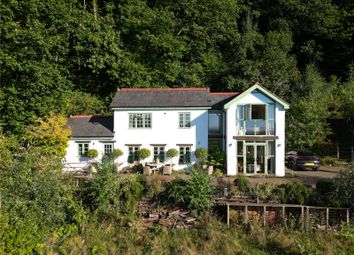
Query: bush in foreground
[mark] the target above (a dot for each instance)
(194, 194)
(294, 193)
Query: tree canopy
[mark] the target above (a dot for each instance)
(69, 56)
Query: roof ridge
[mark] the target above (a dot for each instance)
(224, 93)
(90, 116)
(163, 89)
(81, 116)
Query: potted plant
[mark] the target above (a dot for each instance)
(116, 153)
(143, 154)
(171, 153)
(92, 153)
(201, 154)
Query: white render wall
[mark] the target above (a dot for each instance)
(72, 157)
(164, 130)
(231, 131)
(280, 142)
(230, 145)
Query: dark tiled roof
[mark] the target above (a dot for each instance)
(91, 126)
(169, 97)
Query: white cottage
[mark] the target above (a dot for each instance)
(248, 126)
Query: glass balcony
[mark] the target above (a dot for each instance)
(256, 127)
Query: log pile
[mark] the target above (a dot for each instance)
(172, 218)
(169, 218)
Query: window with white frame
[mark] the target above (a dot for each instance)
(184, 119)
(184, 155)
(108, 148)
(159, 153)
(82, 148)
(139, 120)
(133, 153)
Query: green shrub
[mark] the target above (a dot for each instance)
(103, 192)
(109, 196)
(92, 153)
(329, 161)
(171, 153)
(144, 153)
(323, 194)
(263, 192)
(131, 192)
(217, 159)
(343, 188)
(201, 154)
(347, 232)
(36, 200)
(323, 148)
(294, 193)
(194, 194)
(242, 184)
(116, 153)
(218, 173)
(155, 187)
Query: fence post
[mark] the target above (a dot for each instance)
(228, 214)
(352, 152)
(337, 151)
(327, 218)
(264, 215)
(307, 218)
(246, 214)
(348, 221)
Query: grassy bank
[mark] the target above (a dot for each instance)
(210, 237)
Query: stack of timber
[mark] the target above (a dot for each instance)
(151, 216)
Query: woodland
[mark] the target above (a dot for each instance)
(69, 57)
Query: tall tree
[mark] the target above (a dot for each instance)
(307, 118)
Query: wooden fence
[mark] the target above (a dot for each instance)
(308, 217)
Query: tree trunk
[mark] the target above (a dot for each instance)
(94, 7)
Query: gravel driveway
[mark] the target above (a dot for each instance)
(305, 176)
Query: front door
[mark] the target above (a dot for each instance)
(255, 162)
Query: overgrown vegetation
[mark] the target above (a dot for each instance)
(329, 161)
(44, 211)
(211, 237)
(194, 193)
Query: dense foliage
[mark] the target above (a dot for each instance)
(35, 202)
(294, 193)
(194, 193)
(69, 56)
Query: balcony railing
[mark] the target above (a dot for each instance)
(256, 127)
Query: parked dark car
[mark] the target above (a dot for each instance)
(302, 159)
